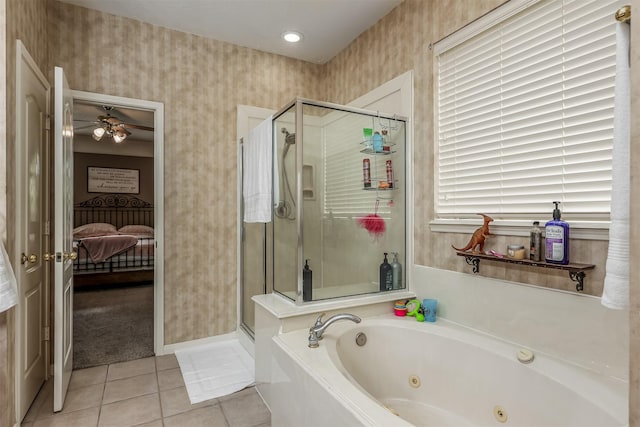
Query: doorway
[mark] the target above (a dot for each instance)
(118, 183)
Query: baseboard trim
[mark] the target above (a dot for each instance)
(171, 348)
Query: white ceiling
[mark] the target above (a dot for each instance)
(328, 26)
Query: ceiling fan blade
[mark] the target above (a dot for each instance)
(140, 127)
(84, 126)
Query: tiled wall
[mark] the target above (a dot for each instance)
(200, 82)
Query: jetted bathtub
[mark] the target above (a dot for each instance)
(435, 374)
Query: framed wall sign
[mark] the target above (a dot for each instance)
(111, 180)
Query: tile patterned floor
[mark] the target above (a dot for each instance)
(146, 392)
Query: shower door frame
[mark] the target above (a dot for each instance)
(299, 103)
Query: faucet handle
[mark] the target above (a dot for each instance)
(319, 320)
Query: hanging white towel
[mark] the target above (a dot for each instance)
(616, 281)
(8, 284)
(257, 172)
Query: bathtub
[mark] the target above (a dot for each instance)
(434, 374)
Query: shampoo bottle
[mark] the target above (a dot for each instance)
(396, 268)
(535, 242)
(557, 239)
(307, 280)
(386, 275)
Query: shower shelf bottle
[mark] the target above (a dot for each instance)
(307, 284)
(396, 269)
(557, 239)
(386, 275)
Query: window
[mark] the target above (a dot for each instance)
(524, 111)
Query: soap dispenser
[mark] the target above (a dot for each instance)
(386, 275)
(396, 268)
(557, 239)
(307, 282)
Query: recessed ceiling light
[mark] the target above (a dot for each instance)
(292, 36)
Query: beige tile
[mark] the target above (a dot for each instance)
(88, 376)
(131, 412)
(210, 416)
(156, 423)
(130, 387)
(83, 418)
(131, 368)
(167, 361)
(43, 399)
(77, 399)
(176, 400)
(171, 378)
(245, 409)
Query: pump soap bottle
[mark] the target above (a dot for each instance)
(557, 239)
(396, 268)
(307, 278)
(386, 275)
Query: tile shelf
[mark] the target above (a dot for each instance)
(576, 271)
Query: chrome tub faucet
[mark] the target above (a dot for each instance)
(316, 331)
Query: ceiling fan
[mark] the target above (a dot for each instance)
(113, 127)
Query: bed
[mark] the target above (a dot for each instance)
(114, 239)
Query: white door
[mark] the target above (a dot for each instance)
(64, 254)
(32, 103)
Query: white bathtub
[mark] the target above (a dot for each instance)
(434, 374)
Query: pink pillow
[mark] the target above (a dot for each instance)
(137, 230)
(94, 229)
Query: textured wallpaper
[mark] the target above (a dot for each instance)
(200, 82)
(401, 42)
(27, 21)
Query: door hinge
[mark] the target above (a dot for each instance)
(47, 123)
(47, 228)
(45, 333)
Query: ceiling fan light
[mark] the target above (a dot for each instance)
(119, 137)
(98, 133)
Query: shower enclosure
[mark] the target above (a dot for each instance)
(339, 178)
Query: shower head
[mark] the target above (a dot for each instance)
(289, 138)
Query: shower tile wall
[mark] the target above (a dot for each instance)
(200, 82)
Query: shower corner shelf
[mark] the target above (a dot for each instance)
(379, 189)
(576, 271)
(368, 144)
(376, 153)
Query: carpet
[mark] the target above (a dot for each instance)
(215, 370)
(112, 325)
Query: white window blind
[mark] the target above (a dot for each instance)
(524, 114)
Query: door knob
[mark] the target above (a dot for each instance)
(23, 258)
(33, 258)
(74, 255)
(47, 257)
(70, 255)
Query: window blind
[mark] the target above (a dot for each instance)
(524, 114)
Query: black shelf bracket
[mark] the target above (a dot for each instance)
(475, 262)
(576, 271)
(578, 277)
